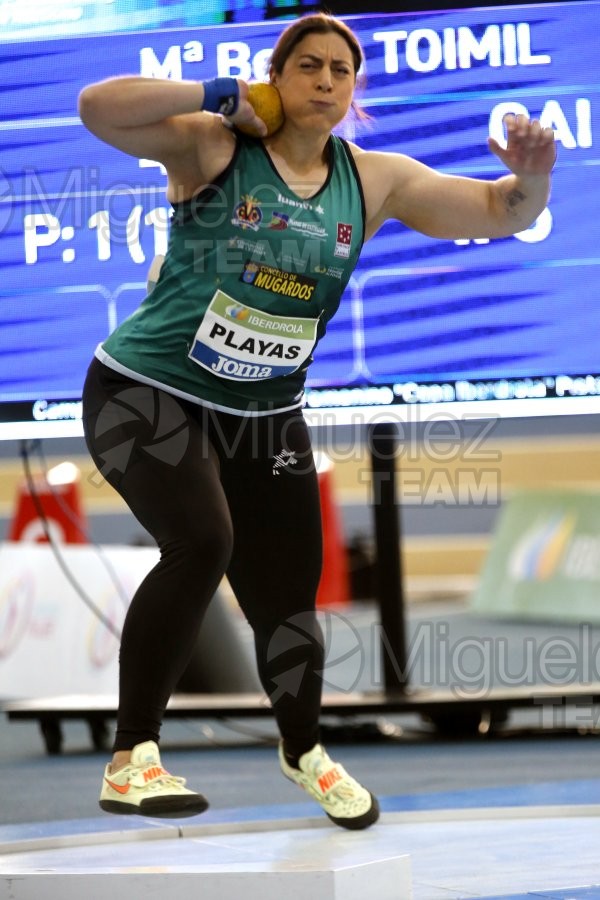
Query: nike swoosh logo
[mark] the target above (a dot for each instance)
(119, 788)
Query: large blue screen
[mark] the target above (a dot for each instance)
(423, 321)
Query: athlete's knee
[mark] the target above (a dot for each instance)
(207, 546)
(213, 544)
(297, 638)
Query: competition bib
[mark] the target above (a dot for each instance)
(244, 344)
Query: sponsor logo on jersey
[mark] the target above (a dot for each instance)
(297, 204)
(237, 312)
(256, 248)
(300, 204)
(277, 281)
(330, 271)
(308, 229)
(279, 221)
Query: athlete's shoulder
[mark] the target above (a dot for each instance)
(355, 150)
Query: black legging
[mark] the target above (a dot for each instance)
(220, 494)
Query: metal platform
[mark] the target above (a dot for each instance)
(450, 712)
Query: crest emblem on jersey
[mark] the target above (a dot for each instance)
(343, 240)
(247, 213)
(249, 273)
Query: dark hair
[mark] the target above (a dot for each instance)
(318, 23)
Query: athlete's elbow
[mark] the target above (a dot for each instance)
(90, 104)
(98, 103)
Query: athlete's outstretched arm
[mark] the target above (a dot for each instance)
(452, 207)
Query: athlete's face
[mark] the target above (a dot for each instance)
(317, 81)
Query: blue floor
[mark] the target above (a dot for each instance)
(529, 840)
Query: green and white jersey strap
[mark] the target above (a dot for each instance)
(241, 343)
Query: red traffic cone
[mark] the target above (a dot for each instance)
(56, 494)
(334, 587)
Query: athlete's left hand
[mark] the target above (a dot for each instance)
(530, 150)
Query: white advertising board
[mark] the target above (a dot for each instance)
(51, 642)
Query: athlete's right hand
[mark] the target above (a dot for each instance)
(244, 114)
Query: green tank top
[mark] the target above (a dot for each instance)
(252, 275)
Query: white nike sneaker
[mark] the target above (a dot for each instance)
(346, 802)
(144, 788)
